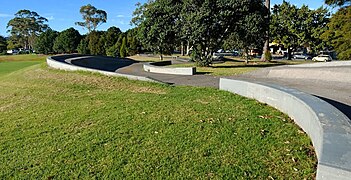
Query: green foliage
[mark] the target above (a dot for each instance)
(157, 26)
(92, 17)
(45, 42)
(114, 50)
(123, 50)
(96, 43)
(296, 27)
(249, 34)
(133, 44)
(337, 2)
(338, 33)
(111, 37)
(3, 44)
(163, 24)
(67, 41)
(83, 46)
(26, 26)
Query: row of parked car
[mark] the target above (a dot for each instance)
(321, 57)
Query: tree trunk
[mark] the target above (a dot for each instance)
(266, 44)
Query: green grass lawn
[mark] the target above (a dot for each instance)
(10, 63)
(66, 125)
(23, 57)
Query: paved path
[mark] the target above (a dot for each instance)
(330, 81)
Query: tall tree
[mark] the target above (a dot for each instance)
(45, 42)
(296, 27)
(339, 34)
(338, 2)
(266, 43)
(3, 44)
(26, 26)
(92, 17)
(111, 37)
(67, 41)
(206, 24)
(96, 43)
(248, 35)
(156, 21)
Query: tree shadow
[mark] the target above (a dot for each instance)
(344, 108)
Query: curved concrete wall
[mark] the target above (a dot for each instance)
(156, 67)
(328, 128)
(64, 64)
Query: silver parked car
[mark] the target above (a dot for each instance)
(322, 57)
(301, 56)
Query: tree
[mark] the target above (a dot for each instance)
(337, 2)
(67, 41)
(133, 44)
(26, 26)
(96, 43)
(45, 42)
(296, 27)
(3, 44)
(83, 46)
(248, 35)
(92, 17)
(206, 24)
(115, 49)
(338, 33)
(111, 37)
(123, 50)
(156, 21)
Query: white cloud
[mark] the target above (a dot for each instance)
(5, 15)
(50, 18)
(120, 16)
(121, 22)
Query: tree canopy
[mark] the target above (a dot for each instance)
(339, 34)
(67, 41)
(296, 27)
(92, 17)
(3, 44)
(338, 2)
(204, 24)
(45, 42)
(26, 26)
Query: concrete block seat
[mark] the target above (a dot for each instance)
(159, 67)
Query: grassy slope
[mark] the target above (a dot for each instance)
(24, 57)
(56, 124)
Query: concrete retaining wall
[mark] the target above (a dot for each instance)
(328, 128)
(59, 64)
(156, 67)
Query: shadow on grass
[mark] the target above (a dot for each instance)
(344, 108)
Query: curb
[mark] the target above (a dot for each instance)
(328, 128)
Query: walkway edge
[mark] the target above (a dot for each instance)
(70, 67)
(328, 128)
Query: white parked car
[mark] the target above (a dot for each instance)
(322, 57)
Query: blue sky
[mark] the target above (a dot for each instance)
(63, 13)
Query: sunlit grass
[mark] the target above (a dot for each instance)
(66, 125)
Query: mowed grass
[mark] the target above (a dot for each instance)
(66, 125)
(10, 63)
(23, 57)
